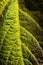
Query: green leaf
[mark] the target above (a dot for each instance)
(20, 35)
(32, 26)
(3, 4)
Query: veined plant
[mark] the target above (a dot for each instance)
(21, 32)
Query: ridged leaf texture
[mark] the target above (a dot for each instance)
(21, 32)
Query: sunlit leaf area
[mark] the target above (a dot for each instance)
(21, 32)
